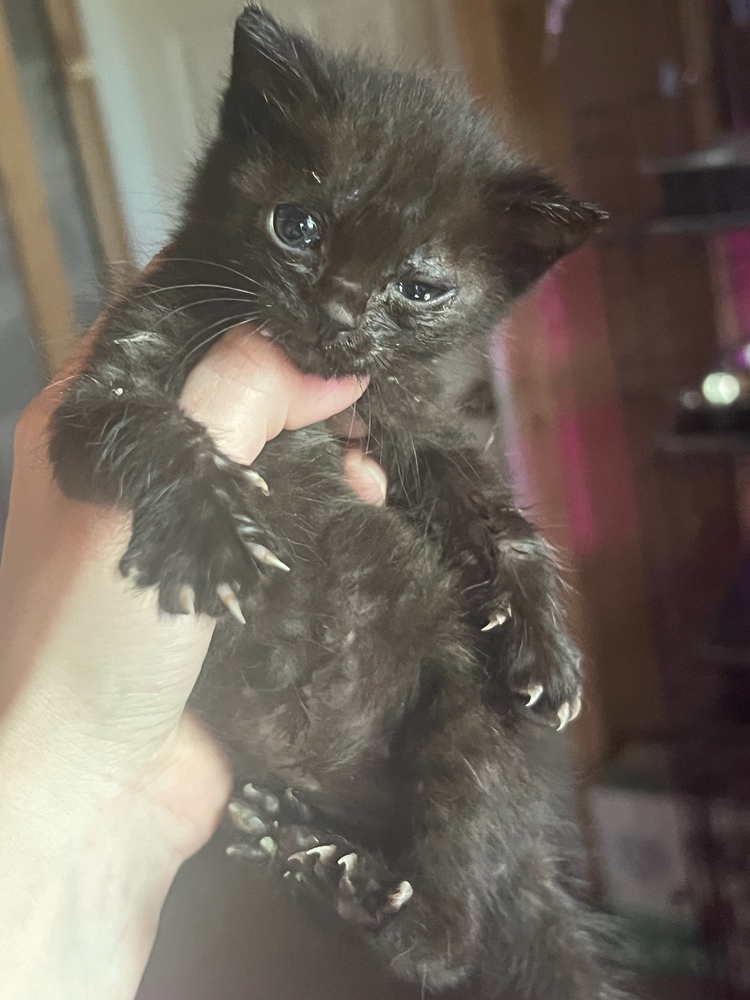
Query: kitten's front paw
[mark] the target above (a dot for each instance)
(544, 665)
(537, 699)
(199, 541)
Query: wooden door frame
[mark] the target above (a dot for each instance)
(502, 43)
(22, 191)
(479, 26)
(78, 75)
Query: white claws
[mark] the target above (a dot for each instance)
(499, 618)
(399, 897)
(269, 845)
(348, 863)
(324, 852)
(299, 856)
(564, 715)
(245, 819)
(258, 481)
(241, 851)
(264, 555)
(186, 599)
(569, 712)
(534, 693)
(225, 594)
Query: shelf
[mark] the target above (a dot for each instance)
(693, 184)
(704, 444)
(706, 224)
(678, 225)
(733, 151)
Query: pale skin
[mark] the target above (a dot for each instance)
(107, 784)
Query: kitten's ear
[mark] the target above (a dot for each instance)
(274, 74)
(540, 223)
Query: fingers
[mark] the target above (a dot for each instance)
(246, 392)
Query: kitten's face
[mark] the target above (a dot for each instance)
(363, 266)
(375, 214)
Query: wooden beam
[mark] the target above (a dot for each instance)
(477, 30)
(565, 391)
(68, 35)
(22, 189)
(697, 31)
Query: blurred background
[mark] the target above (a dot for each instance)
(623, 385)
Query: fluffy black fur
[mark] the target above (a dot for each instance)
(364, 683)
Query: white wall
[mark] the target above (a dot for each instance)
(160, 64)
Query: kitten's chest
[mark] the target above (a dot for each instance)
(313, 723)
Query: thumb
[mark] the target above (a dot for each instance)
(245, 391)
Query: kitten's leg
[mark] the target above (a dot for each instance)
(559, 953)
(471, 894)
(200, 531)
(487, 898)
(268, 827)
(283, 832)
(511, 577)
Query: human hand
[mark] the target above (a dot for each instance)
(95, 747)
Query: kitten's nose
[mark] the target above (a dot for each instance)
(339, 320)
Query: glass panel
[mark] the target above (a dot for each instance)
(57, 155)
(21, 367)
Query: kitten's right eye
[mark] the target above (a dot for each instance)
(295, 227)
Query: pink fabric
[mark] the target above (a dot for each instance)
(601, 510)
(737, 247)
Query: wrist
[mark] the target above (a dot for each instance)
(88, 861)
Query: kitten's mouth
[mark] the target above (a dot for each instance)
(333, 363)
(330, 360)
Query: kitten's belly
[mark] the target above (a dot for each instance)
(315, 690)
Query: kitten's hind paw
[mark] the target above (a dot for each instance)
(276, 831)
(265, 824)
(359, 884)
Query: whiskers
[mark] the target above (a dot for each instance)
(247, 292)
(243, 293)
(210, 263)
(208, 334)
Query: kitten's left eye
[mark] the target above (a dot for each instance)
(294, 226)
(420, 291)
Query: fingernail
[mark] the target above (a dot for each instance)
(376, 482)
(366, 477)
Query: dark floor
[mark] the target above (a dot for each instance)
(228, 935)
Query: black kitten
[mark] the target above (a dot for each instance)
(371, 223)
